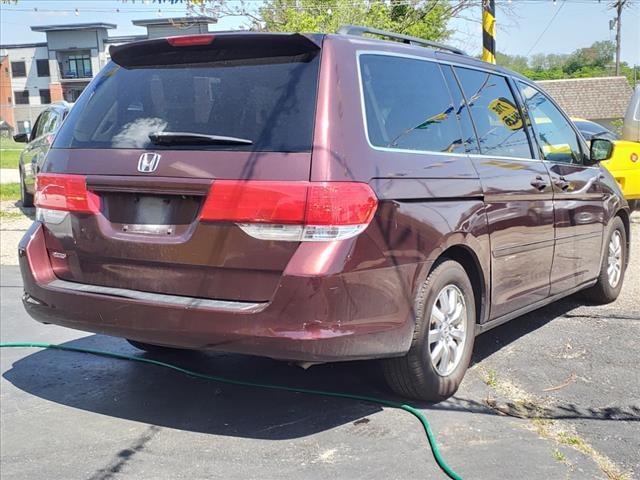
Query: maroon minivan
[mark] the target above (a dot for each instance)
(318, 198)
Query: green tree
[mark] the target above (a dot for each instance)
(419, 18)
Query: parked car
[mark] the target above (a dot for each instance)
(318, 198)
(624, 163)
(38, 144)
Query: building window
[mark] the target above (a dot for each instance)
(79, 66)
(43, 67)
(22, 97)
(45, 96)
(18, 69)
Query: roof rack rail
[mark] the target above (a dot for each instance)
(359, 31)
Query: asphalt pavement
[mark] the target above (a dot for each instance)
(553, 394)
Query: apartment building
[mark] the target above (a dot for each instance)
(36, 74)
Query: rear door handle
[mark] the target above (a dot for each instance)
(539, 183)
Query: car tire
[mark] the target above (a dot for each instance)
(422, 374)
(151, 348)
(26, 198)
(608, 286)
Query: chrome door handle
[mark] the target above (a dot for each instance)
(539, 183)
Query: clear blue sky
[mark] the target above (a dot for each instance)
(578, 24)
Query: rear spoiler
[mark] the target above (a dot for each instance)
(214, 47)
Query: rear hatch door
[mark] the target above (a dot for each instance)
(159, 125)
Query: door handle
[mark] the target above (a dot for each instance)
(539, 183)
(562, 184)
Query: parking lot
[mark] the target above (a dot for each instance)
(553, 394)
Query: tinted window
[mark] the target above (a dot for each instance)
(43, 67)
(556, 138)
(41, 125)
(22, 97)
(18, 69)
(268, 101)
(495, 114)
(464, 117)
(45, 96)
(408, 105)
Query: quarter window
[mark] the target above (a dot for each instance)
(408, 105)
(557, 140)
(495, 114)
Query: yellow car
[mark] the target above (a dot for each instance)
(624, 163)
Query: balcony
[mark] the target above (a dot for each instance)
(75, 66)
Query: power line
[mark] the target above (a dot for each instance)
(545, 28)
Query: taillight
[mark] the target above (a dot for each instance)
(189, 40)
(64, 192)
(295, 211)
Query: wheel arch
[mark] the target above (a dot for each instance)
(626, 221)
(469, 260)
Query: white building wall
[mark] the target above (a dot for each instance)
(31, 82)
(25, 115)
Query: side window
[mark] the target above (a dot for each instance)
(495, 114)
(38, 128)
(557, 140)
(51, 124)
(408, 105)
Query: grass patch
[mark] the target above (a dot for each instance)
(7, 142)
(491, 378)
(10, 191)
(559, 456)
(10, 152)
(9, 158)
(4, 215)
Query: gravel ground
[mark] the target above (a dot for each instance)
(13, 223)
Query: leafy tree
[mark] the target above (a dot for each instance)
(424, 19)
(594, 61)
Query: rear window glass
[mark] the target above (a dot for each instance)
(269, 102)
(408, 105)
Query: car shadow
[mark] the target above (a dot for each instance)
(499, 337)
(163, 397)
(29, 212)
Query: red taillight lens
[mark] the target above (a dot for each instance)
(298, 203)
(256, 202)
(340, 203)
(189, 40)
(55, 191)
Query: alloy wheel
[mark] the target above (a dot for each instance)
(447, 330)
(614, 259)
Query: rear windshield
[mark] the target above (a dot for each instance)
(270, 102)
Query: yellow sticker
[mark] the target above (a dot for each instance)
(507, 112)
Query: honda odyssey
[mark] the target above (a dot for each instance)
(318, 198)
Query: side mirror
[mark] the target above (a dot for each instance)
(601, 149)
(21, 137)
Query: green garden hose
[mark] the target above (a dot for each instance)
(387, 403)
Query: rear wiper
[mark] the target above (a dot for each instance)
(187, 138)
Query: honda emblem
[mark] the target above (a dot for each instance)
(148, 162)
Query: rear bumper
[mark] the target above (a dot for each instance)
(333, 317)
